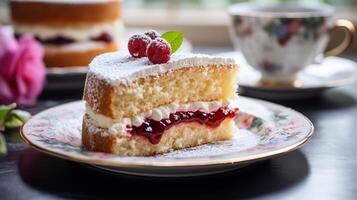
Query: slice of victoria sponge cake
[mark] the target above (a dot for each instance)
(137, 108)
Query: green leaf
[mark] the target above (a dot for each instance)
(12, 135)
(13, 122)
(4, 112)
(22, 115)
(174, 38)
(3, 149)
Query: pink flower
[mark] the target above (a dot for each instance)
(22, 72)
(245, 120)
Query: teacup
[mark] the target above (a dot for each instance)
(280, 40)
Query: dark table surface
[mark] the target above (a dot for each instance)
(324, 168)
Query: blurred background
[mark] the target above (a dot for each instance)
(204, 22)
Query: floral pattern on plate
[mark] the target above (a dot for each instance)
(264, 130)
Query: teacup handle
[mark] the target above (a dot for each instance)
(349, 30)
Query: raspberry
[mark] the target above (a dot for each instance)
(138, 44)
(152, 34)
(159, 51)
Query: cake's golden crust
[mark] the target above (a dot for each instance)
(75, 58)
(93, 140)
(64, 14)
(178, 137)
(210, 83)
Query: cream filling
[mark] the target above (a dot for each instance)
(78, 33)
(162, 112)
(76, 46)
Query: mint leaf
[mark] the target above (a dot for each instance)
(174, 38)
(4, 112)
(3, 149)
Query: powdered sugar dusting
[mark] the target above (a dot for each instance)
(160, 43)
(244, 140)
(140, 36)
(120, 67)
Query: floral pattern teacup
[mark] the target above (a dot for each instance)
(280, 40)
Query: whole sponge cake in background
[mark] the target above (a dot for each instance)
(72, 32)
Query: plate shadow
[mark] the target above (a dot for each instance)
(73, 180)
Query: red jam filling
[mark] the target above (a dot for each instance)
(61, 40)
(153, 130)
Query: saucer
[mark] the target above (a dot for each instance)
(265, 130)
(314, 80)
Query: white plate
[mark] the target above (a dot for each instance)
(265, 130)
